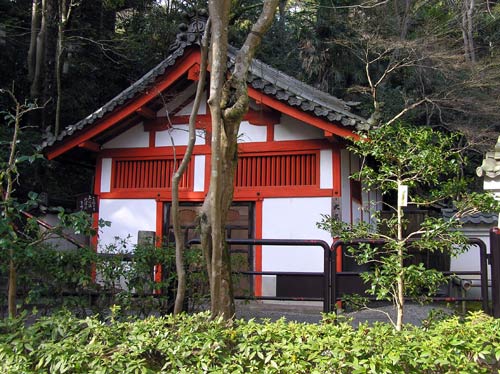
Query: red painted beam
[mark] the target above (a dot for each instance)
(90, 146)
(145, 112)
(300, 115)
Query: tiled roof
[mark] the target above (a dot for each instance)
(478, 218)
(262, 77)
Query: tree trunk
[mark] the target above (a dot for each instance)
(49, 83)
(179, 237)
(36, 82)
(400, 299)
(468, 30)
(7, 196)
(228, 102)
(12, 286)
(35, 26)
(64, 15)
(213, 226)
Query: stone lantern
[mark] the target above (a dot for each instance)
(490, 170)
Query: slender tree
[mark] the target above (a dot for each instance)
(423, 167)
(179, 237)
(65, 7)
(8, 177)
(228, 102)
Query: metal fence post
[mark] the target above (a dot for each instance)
(495, 270)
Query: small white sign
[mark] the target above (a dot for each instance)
(403, 195)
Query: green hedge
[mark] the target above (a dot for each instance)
(195, 344)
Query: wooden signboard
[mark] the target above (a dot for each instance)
(87, 203)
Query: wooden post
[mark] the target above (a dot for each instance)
(495, 270)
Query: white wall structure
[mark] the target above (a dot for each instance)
(292, 218)
(251, 133)
(199, 173)
(106, 165)
(326, 169)
(134, 137)
(470, 260)
(127, 217)
(177, 135)
(292, 129)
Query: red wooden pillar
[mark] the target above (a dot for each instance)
(495, 270)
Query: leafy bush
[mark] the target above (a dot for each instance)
(50, 279)
(196, 344)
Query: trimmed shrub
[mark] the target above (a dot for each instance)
(196, 344)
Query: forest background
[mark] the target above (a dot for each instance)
(433, 63)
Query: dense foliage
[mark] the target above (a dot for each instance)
(50, 279)
(196, 344)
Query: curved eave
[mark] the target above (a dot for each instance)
(119, 113)
(329, 127)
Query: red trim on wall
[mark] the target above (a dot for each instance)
(339, 265)
(160, 194)
(301, 116)
(296, 169)
(144, 153)
(152, 139)
(194, 72)
(90, 146)
(291, 146)
(164, 123)
(145, 112)
(270, 133)
(262, 118)
(140, 174)
(258, 248)
(179, 69)
(262, 192)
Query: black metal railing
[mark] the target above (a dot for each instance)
(288, 242)
(482, 273)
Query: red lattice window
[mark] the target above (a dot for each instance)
(148, 174)
(277, 170)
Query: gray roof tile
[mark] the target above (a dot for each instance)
(261, 77)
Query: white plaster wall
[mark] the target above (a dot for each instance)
(134, 137)
(326, 169)
(199, 173)
(470, 260)
(106, 166)
(292, 129)
(177, 135)
(251, 133)
(127, 217)
(293, 218)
